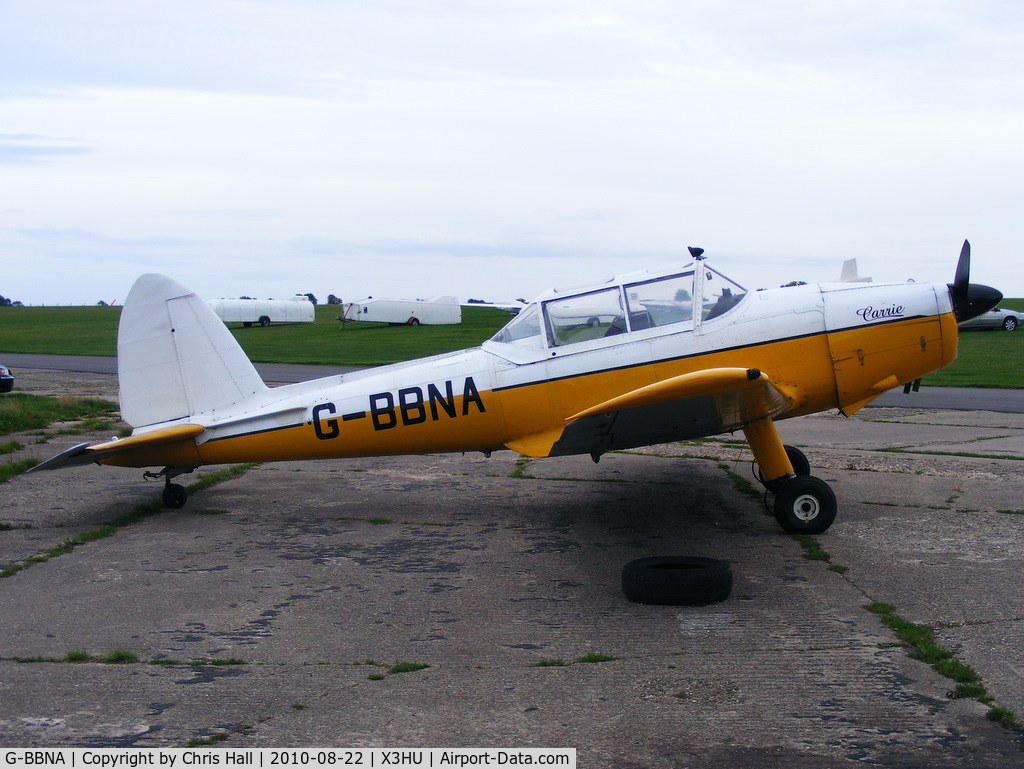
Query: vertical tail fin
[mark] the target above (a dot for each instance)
(175, 358)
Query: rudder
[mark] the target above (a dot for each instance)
(175, 358)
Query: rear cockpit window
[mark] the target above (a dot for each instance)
(584, 317)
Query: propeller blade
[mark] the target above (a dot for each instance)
(970, 299)
(963, 272)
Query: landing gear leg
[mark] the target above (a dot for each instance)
(174, 494)
(800, 467)
(803, 504)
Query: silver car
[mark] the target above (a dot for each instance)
(1008, 320)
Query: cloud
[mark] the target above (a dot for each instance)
(18, 149)
(496, 148)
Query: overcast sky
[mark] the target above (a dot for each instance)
(495, 149)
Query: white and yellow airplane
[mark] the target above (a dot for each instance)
(641, 359)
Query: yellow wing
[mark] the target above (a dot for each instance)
(700, 403)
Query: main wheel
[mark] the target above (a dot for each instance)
(175, 495)
(1010, 324)
(677, 581)
(264, 321)
(805, 505)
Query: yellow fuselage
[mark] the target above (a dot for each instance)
(825, 347)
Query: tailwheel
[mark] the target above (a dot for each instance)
(175, 496)
(805, 505)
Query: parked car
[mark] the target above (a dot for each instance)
(1007, 320)
(6, 380)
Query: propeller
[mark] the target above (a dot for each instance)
(970, 299)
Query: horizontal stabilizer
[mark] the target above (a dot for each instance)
(84, 453)
(76, 455)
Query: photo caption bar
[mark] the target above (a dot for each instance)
(269, 758)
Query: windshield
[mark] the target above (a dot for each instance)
(522, 330)
(720, 295)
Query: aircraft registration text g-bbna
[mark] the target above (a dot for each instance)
(367, 758)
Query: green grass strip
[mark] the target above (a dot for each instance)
(139, 513)
(919, 641)
(219, 476)
(742, 485)
(21, 411)
(520, 469)
(10, 469)
(813, 551)
(961, 454)
(594, 658)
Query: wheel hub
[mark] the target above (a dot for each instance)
(806, 507)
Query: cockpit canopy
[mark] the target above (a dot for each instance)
(623, 306)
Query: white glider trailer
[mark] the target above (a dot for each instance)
(439, 311)
(297, 309)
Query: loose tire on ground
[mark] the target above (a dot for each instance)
(677, 580)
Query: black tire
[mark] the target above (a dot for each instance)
(677, 580)
(801, 466)
(264, 321)
(414, 321)
(175, 496)
(1010, 324)
(805, 505)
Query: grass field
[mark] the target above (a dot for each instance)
(59, 330)
(93, 331)
(986, 358)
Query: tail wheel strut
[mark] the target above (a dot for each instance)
(174, 494)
